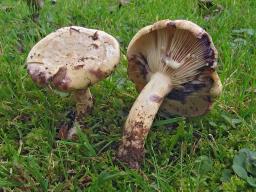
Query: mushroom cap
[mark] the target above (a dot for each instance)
(73, 58)
(194, 98)
(174, 47)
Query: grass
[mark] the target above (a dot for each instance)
(182, 154)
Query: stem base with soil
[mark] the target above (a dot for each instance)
(140, 119)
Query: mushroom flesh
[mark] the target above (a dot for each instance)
(72, 59)
(172, 64)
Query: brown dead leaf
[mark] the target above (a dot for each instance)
(23, 177)
(63, 131)
(23, 118)
(85, 181)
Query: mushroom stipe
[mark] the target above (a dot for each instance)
(172, 64)
(71, 59)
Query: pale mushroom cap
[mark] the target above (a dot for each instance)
(193, 95)
(73, 58)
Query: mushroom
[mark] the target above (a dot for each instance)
(72, 59)
(172, 64)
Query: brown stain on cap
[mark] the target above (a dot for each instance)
(38, 76)
(95, 36)
(171, 24)
(41, 79)
(97, 73)
(60, 79)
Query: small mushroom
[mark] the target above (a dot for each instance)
(172, 64)
(71, 59)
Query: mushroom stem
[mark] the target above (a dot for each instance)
(140, 119)
(84, 102)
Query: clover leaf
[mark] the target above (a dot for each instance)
(244, 165)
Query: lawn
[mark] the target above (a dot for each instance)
(194, 154)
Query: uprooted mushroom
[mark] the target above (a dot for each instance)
(72, 59)
(172, 64)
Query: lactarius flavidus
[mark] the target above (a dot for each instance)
(72, 59)
(172, 64)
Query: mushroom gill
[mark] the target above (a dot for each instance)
(166, 56)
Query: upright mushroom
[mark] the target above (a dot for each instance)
(71, 59)
(170, 62)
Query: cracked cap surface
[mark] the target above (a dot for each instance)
(73, 58)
